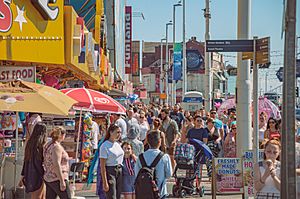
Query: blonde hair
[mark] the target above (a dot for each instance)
(57, 132)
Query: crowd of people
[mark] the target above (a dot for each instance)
(138, 139)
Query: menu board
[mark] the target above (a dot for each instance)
(228, 178)
(248, 165)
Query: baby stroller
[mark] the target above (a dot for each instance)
(187, 159)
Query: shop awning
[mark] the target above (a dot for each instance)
(117, 93)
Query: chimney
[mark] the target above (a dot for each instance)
(194, 38)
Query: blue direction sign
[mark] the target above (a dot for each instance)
(279, 73)
(229, 45)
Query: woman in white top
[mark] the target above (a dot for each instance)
(111, 159)
(262, 126)
(144, 126)
(267, 172)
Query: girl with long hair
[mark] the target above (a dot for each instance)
(33, 171)
(111, 159)
(272, 131)
(267, 172)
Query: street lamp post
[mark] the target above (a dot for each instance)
(167, 68)
(174, 40)
(208, 76)
(162, 72)
(184, 70)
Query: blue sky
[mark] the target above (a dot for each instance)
(266, 20)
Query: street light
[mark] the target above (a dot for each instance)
(162, 88)
(173, 102)
(184, 70)
(167, 61)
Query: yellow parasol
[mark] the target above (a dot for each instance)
(24, 96)
(21, 96)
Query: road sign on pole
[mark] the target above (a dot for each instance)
(262, 51)
(229, 45)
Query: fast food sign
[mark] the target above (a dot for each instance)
(10, 73)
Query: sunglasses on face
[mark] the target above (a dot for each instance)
(233, 128)
(213, 113)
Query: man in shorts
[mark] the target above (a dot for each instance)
(170, 128)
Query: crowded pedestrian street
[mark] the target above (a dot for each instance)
(149, 99)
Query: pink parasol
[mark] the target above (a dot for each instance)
(264, 105)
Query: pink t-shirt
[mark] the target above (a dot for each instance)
(50, 175)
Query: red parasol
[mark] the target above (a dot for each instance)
(94, 101)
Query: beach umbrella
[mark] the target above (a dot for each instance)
(94, 101)
(21, 96)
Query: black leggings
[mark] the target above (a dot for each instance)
(53, 190)
(114, 179)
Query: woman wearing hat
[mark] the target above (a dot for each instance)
(132, 139)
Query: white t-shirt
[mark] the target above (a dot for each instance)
(95, 133)
(112, 152)
(122, 124)
(144, 127)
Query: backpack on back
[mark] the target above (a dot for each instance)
(145, 183)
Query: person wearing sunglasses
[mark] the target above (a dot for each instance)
(198, 133)
(213, 142)
(272, 131)
(230, 142)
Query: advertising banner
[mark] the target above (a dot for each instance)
(128, 39)
(177, 66)
(195, 61)
(10, 73)
(228, 177)
(32, 31)
(135, 64)
(248, 165)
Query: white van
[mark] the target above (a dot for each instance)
(192, 101)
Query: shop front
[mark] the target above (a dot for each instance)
(46, 45)
(57, 44)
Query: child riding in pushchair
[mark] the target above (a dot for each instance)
(190, 157)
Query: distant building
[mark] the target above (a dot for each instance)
(151, 71)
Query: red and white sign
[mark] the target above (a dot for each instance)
(6, 15)
(128, 39)
(10, 73)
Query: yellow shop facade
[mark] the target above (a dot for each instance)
(40, 39)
